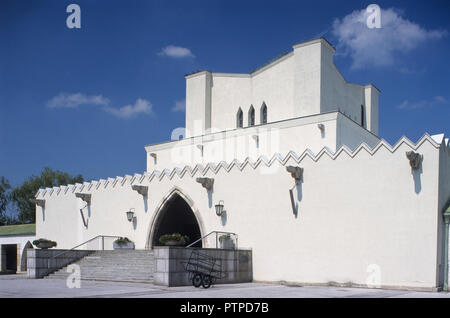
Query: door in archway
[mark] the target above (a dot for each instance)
(176, 217)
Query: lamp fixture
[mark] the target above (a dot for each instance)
(130, 215)
(219, 208)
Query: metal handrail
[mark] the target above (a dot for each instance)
(88, 241)
(214, 232)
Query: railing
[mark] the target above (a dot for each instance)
(228, 240)
(102, 241)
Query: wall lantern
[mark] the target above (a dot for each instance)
(130, 215)
(219, 208)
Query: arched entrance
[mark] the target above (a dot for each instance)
(175, 216)
(23, 260)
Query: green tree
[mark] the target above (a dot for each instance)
(5, 197)
(49, 178)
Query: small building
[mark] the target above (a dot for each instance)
(14, 242)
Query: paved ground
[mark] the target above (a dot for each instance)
(18, 286)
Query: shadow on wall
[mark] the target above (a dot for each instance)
(210, 193)
(223, 218)
(294, 202)
(134, 223)
(145, 198)
(417, 180)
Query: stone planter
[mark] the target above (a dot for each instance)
(45, 245)
(123, 246)
(175, 243)
(227, 244)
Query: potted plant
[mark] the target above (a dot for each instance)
(44, 244)
(226, 242)
(123, 243)
(175, 239)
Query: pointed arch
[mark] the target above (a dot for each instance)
(239, 118)
(251, 116)
(263, 114)
(24, 257)
(173, 194)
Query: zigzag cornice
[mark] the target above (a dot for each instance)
(262, 160)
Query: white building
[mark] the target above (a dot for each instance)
(14, 242)
(292, 151)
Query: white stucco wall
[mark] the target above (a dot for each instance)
(353, 210)
(301, 83)
(296, 135)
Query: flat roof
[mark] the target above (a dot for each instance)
(20, 229)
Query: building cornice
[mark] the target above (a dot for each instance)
(214, 168)
(285, 123)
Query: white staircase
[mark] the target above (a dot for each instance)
(116, 265)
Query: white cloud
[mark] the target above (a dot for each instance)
(378, 47)
(407, 105)
(141, 106)
(64, 100)
(176, 52)
(180, 106)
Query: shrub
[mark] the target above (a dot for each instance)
(43, 240)
(224, 237)
(173, 237)
(123, 240)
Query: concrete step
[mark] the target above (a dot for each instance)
(111, 279)
(117, 265)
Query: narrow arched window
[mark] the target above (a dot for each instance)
(239, 119)
(362, 116)
(263, 114)
(251, 116)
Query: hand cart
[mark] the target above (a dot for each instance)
(203, 270)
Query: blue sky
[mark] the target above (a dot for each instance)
(88, 100)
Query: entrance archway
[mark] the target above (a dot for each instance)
(24, 258)
(175, 216)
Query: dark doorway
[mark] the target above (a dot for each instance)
(10, 253)
(177, 217)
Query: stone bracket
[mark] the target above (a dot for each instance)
(207, 183)
(415, 159)
(142, 190)
(38, 202)
(86, 197)
(296, 172)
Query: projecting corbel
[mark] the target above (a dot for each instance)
(86, 197)
(38, 202)
(415, 159)
(207, 183)
(256, 139)
(154, 156)
(200, 147)
(296, 172)
(142, 190)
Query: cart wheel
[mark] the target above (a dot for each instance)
(197, 280)
(206, 281)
